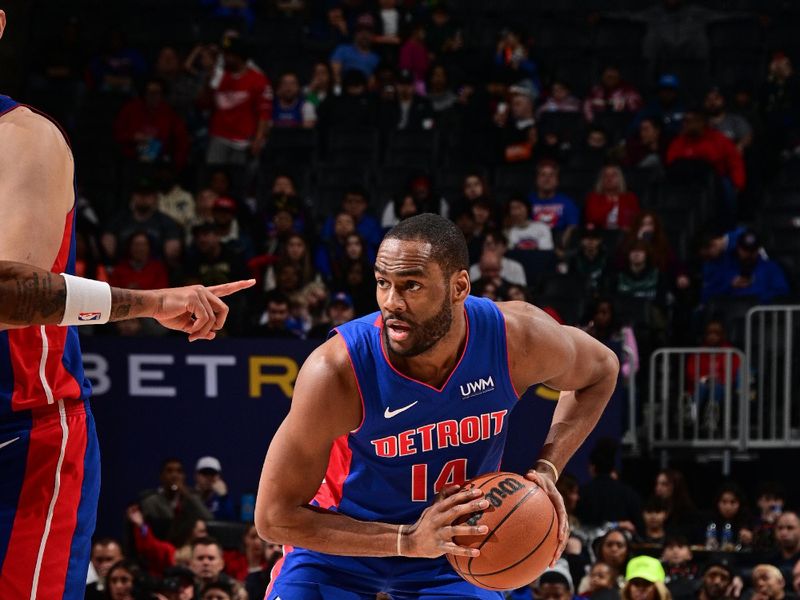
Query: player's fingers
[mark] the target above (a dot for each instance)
(220, 310)
(452, 548)
(226, 289)
(204, 318)
(459, 498)
(465, 509)
(448, 491)
(204, 331)
(454, 530)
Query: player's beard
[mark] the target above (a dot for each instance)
(427, 333)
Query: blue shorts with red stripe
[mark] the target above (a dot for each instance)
(50, 464)
(316, 576)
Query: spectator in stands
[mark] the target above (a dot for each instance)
(605, 327)
(680, 567)
(143, 215)
(516, 125)
(442, 97)
(769, 583)
(401, 208)
(339, 311)
(421, 187)
(105, 553)
(173, 509)
(257, 581)
(602, 582)
(444, 37)
(779, 100)
(208, 564)
(148, 130)
(290, 108)
(522, 232)
(647, 148)
(559, 100)
(274, 320)
(605, 498)
(209, 261)
(639, 278)
(249, 558)
(610, 205)
(333, 29)
(212, 489)
(489, 283)
(591, 260)
(231, 233)
(174, 201)
(320, 85)
(770, 500)
(554, 584)
(358, 55)
(612, 94)
(241, 108)
(124, 581)
(551, 207)
(294, 251)
(139, 269)
(512, 55)
(787, 539)
(198, 69)
(717, 577)
(355, 203)
(203, 209)
(118, 68)
(682, 520)
(218, 591)
(612, 548)
(746, 273)
(654, 515)
(730, 508)
(733, 126)
(645, 580)
(159, 555)
(666, 107)
(390, 20)
(354, 110)
(408, 111)
(414, 56)
(334, 248)
(180, 91)
(648, 228)
(353, 274)
(496, 243)
(567, 484)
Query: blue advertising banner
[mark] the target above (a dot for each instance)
(164, 397)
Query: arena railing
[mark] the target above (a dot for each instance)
(771, 415)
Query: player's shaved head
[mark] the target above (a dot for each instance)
(448, 246)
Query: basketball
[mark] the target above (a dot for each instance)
(522, 536)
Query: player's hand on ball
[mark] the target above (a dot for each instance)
(544, 481)
(432, 535)
(195, 309)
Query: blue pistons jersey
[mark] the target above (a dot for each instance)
(414, 440)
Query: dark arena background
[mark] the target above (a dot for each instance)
(630, 166)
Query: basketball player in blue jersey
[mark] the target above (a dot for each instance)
(401, 407)
(49, 460)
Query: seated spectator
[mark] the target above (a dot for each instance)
(118, 68)
(355, 203)
(174, 201)
(401, 208)
(787, 540)
(106, 552)
(524, 233)
(414, 55)
(148, 130)
(666, 107)
(698, 142)
(203, 210)
(172, 510)
(747, 273)
(554, 584)
(333, 249)
(551, 207)
(288, 280)
(779, 99)
(332, 29)
(707, 376)
(257, 582)
(320, 85)
(639, 278)
(290, 108)
(647, 148)
(339, 311)
(212, 489)
(241, 102)
(645, 580)
(612, 548)
(770, 499)
(274, 320)
(516, 125)
(139, 270)
(670, 485)
(409, 111)
(358, 55)
(510, 270)
(442, 97)
(612, 94)
(353, 273)
(648, 228)
(207, 565)
(223, 214)
(605, 327)
(717, 577)
(591, 260)
(390, 20)
(602, 582)
(611, 205)
(181, 89)
(733, 126)
(680, 568)
(512, 55)
(444, 36)
(354, 110)
(219, 591)
(730, 508)
(295, 251)
(209, 261)
(489, 283)
(567, 484)
(654, 515)
(421, 187)
(559, 100)
(125, 581)
(769, 584)
(249, 558)
(87, 258)
(142, 214)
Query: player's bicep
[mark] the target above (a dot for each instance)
(577, 360)
(36, 189)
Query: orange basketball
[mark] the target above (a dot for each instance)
(522, 536)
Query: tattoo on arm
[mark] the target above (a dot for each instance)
(30, 296)
(126, 304)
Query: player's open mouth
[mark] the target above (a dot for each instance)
(398, 331)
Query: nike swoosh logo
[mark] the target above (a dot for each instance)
(4, 444)
(388, 414)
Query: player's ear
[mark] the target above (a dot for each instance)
(461, 286)
(2, 22)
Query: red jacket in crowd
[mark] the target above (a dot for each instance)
(599, 207)
(153, 276)
(240, 102)
(136, 122)
(705, 365)
(157, 554)
(713, 148)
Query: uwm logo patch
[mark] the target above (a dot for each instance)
(477, 387)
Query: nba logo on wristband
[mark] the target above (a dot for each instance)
(89, 316)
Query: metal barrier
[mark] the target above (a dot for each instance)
(631, 436)
(770, 419)
(695, 398)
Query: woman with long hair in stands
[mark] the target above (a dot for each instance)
(671, 486)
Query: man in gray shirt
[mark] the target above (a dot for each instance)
(734, 127)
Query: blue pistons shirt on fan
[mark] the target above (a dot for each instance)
(414, 439)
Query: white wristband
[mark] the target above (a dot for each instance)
(88, 301)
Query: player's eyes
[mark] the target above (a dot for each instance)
(413, 286)
(382, 283)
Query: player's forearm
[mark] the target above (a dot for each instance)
(32, 296)
(328, 532)
(577, 414)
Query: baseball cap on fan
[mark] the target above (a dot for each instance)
(209, 464)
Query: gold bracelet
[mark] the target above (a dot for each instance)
(549, 464)
(399, 537)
